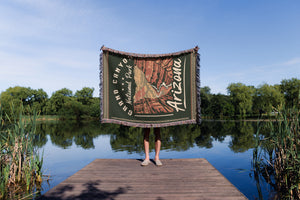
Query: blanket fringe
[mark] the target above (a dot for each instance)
(198, 119)
(101, 85)
(194, 50)
(147, 125)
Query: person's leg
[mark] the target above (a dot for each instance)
(157, 142)
(146, 142)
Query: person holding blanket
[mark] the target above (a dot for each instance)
(157, 146)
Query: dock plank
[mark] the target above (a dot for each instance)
(125, 179)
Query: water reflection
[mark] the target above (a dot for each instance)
(176, 138)
(235, 137)
(64, 133)
(242, 137)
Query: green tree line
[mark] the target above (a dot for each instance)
(245, 101)
(242, 101)
(62, 103)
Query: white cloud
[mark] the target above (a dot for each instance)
(39, 46)
(291, 62)
(53, 71)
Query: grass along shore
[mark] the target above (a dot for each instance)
(20, 162)
(276, 158)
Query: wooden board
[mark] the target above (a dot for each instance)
(126, 179)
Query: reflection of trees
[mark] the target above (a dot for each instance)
(84, 139)
(213, 130)
(204, 138)
(40, 138)
(242, 137)
(130, 139)
(178, 138)
(181, 138)
(63, 134)
(222, 129)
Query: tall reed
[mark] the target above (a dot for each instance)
(277, 156)
(21, 164)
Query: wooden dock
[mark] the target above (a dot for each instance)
(126, 179)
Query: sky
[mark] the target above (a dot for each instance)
(51, 44)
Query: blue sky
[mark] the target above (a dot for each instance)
(53, 44)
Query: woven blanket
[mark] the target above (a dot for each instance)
(150, 90)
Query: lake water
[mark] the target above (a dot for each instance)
(68, 147)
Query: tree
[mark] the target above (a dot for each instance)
(241, 97)
(94, 109)
(291, 90)
(39, 100)
(15, 96)
(85, 95)
(266, 97)
(205, 96)
(57, 100)
(220, 106)
(72, 109)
